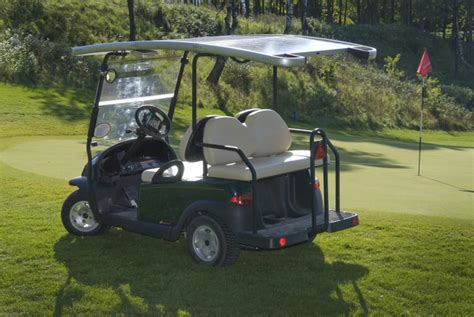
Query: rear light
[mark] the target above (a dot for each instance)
(316, 183)
(242, 200)
(355, 221)
(320, 151)
(282, 242)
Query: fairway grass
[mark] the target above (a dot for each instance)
(411, 255)
(390, 264)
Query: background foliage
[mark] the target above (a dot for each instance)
(36, 36)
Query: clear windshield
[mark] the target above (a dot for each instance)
(137, 83)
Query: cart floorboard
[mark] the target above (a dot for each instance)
(128, 220)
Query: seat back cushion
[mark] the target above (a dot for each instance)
(242, 115)
(269, 132)
(188, 147)
(226, 131)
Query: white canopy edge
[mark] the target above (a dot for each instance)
(137, 99)
(277, 50)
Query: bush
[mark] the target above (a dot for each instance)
(462, 95)
(336, 92)
(27, 59)
(187, 21)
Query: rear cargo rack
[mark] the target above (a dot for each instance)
(312, 147)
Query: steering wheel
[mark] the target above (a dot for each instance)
(153, 121)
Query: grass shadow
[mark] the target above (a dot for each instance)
(65, 104)
(162, 277)
(351, 159)
(447, 184)
(377, 137)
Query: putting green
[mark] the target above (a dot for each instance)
(377, 174)
(62, 158)
(383, 177)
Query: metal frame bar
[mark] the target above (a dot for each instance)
(275, 84)
(194, 85)
(327, 143)
(90, 132)
(184, 62)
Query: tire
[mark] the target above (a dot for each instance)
(211, 242)
(77, 217)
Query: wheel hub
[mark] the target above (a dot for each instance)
(205, 243)
(81, 217)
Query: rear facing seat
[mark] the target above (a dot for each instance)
(263, 137)
(261, 134)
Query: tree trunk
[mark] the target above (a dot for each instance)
(330, 11)
(392, 11)
(445, 20)
(358, 9)
(317, 9)
(228, 19)
(216, 72)
(370, 12)
(410, 11)
(469, 21)
(340, 12)
(345, 12)
(235, 14)
(458, 41)
(256, 7)
(131, 16)
(231, 25)
(304, 12)
(243, 8)
(289, 16)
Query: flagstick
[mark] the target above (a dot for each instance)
(421, 124)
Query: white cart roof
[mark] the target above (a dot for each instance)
(277, 50)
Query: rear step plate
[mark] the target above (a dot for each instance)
(342, 220)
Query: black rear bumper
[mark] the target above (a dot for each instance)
(295, 231)
(342, 220)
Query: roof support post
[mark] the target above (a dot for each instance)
(184, 61)
(194, 86)
(275, 84)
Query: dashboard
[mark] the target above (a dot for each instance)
(150, 154)
(137, 166)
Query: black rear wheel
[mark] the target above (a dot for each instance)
(77, 217)
(211, 242)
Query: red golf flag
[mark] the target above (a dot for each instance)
(425, 65)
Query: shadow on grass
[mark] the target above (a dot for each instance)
(150, 276)
(448, 184)
(398, 142)
(351, 158)
(65, 104)
(377, 137)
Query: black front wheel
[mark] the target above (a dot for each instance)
(211, 242)
(77, 217)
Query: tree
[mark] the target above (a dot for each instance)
(289, 16)
(131, 17)
(231, 24)
(392, 11)
(469, 21)
(330, 11)
(304, 21)
(459, 58)
(340, 12)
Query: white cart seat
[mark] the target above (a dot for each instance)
(287, 162)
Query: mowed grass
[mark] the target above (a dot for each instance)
(406, 262)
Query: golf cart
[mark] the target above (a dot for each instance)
(236, 183)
